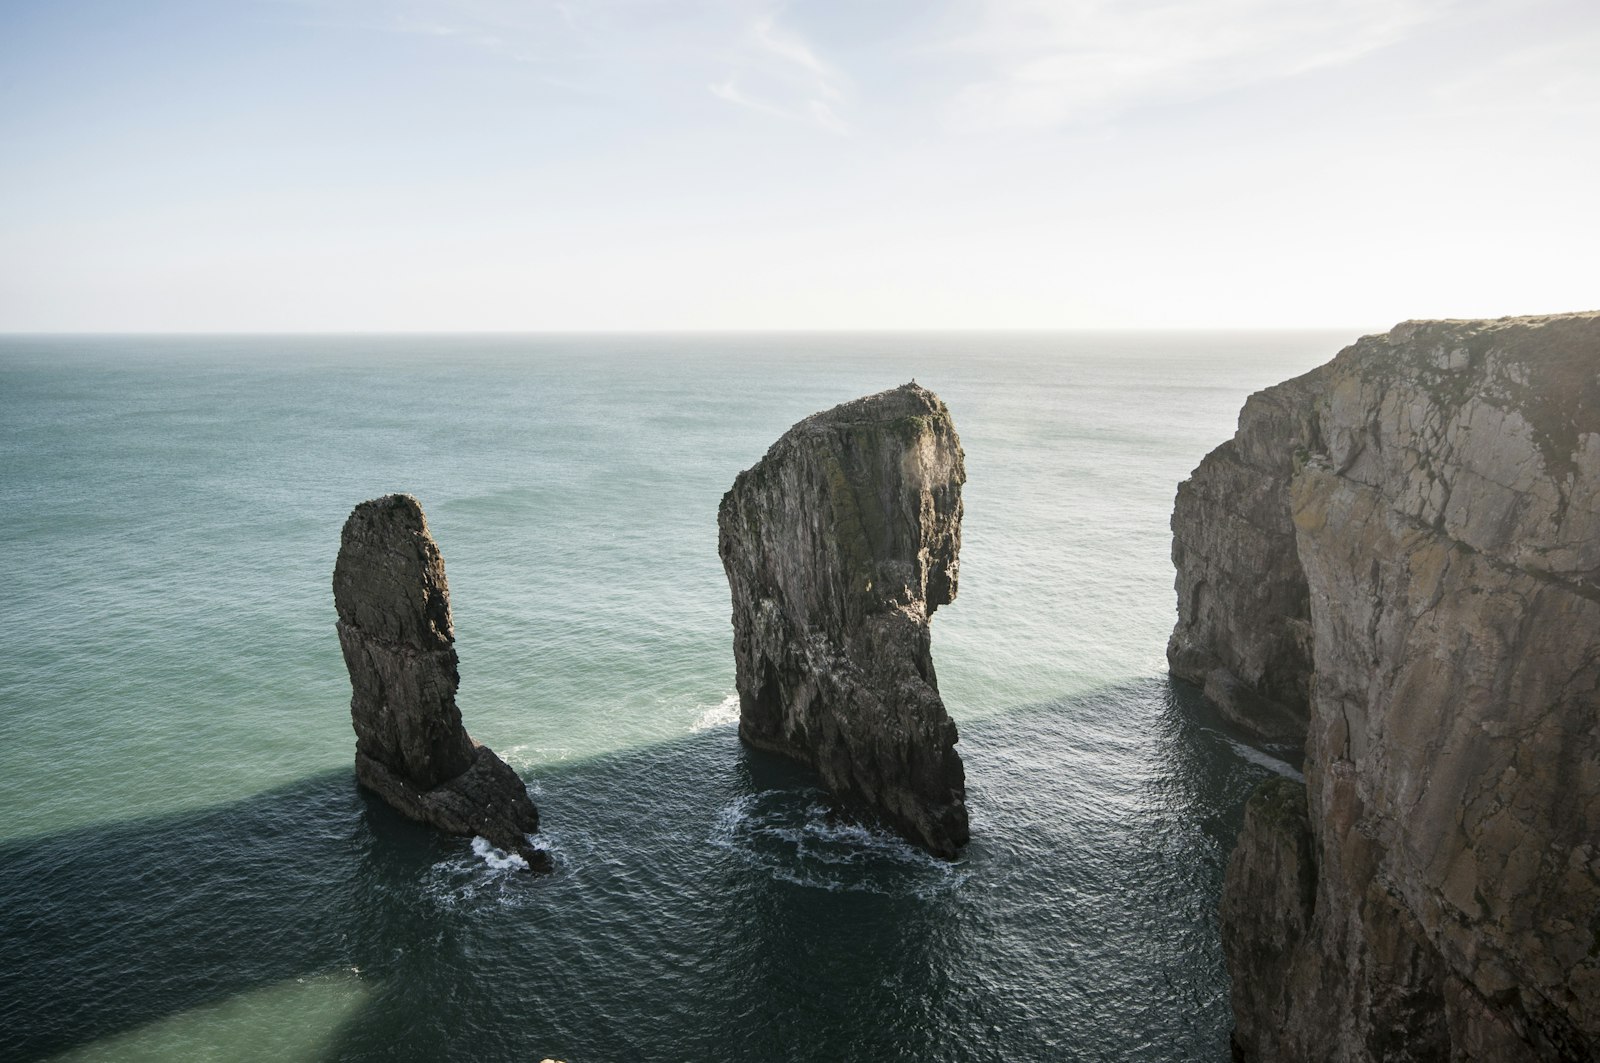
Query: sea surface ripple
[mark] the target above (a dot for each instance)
(187, 869)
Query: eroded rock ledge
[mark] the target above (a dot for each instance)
(839, 545)
(1404, 545)
(399, 645)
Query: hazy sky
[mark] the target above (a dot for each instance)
(624, 164)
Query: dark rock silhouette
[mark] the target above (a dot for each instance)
(1408, 539)
(839, 545)
(399, 645)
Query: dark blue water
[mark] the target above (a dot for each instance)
(187, 869)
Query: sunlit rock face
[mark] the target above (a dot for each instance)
(839, 545)
(399, 645)
(1435, 893)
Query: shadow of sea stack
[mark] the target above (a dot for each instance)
(839, 544)
(399, 644)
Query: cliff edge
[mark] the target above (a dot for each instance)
(1403, 546)
(399, 645)
(839, 545)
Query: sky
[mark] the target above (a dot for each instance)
(467, 165)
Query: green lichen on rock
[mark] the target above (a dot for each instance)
(911, 427)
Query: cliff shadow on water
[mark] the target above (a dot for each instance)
(707, 903)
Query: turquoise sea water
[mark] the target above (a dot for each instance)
(188, 871)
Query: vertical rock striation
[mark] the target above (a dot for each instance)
(839, 545)
(1244, 631)
(399, 645)
(1435, 893)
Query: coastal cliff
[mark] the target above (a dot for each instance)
(1404, 546)
(399, 645)
(839, 545)
(1244, 628)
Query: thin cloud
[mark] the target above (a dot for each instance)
(813, 112)
(1552, 79)
(759, 62)
(466, 34)
(795, 82)
(730, 91)
(538, 33)
(823, 115)
(1056, 62)
(790, 47)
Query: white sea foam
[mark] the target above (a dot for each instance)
(486, 874)
(526, 755)
(796, 838)
(497, 859)
(1266, 760)
(721, 714)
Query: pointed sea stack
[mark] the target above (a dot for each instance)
(839, 545)
(399, 644)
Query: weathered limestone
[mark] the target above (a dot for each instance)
(1439, 895)
(1243, 629)
(839, 545)
(399, 645)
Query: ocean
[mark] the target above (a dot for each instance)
(188, 870)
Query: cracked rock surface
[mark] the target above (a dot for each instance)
(399, 645)
(839, 545)
(1404, 546)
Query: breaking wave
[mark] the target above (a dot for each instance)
(722, 714)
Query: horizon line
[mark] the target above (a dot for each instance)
(975, 330)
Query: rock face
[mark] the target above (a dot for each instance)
(1244, 620)
(399, 645)
(839, 545)
(1435, 600)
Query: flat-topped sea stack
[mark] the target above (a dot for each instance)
(399, 645)
(1403, 546)
(839, 545)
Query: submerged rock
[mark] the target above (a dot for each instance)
(399, 645)
(839, 545)
(1436, 892)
